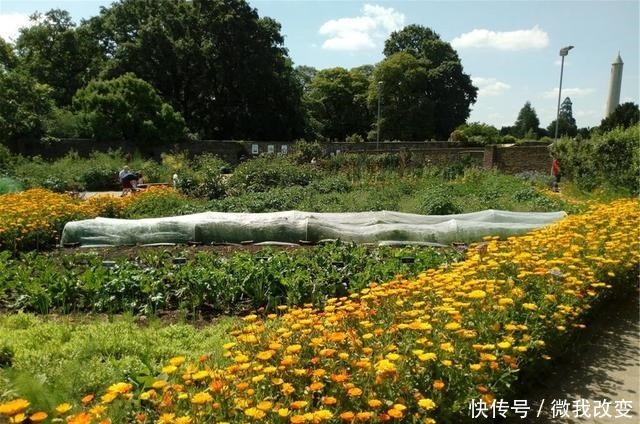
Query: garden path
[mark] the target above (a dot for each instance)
(608, 367)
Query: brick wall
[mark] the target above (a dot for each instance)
(510, 159)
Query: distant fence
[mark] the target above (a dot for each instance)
(507, 158)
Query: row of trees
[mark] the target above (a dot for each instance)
(156, 71)
(220, 71)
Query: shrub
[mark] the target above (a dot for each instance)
(611, 159)
(438, 201)
(128, 108)
(304, 151)
(9, 185)
(268, 172)
(205, 177)
(354, 138)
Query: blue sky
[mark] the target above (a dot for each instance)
(510, 48)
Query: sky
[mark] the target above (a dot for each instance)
(509, 48)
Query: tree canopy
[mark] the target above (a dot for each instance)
(216, 61)
(527, 122)
(443, 92)
(566, 122)
(625, 115)
(24, 104)
(337, 103)
(223, 70)
(55, 53)
(128, 108)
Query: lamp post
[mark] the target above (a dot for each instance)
(563, 52)
(378, 124)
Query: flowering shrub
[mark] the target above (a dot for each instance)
(34, 218)
(408, 350)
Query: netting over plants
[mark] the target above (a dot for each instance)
(295, 226)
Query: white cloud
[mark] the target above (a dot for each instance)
(10, 24)
(568, 92)
(522, 39)
(361, 32)
(489, 86)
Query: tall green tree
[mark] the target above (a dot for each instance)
(566, 123)
(527, 122)
(337, 103)
(128, 108)
(24, 105)
(625, 115)
(216, 61)
(407, 112)
(56, 53)
(445, 92)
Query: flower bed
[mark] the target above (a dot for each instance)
(409, 350)
(34, 219)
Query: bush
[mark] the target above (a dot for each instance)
(304, 151)
(438, 201)
(354, 138)
(611, 160)
(205, 177)
(9, 185)
(267, 172)
(128, 108)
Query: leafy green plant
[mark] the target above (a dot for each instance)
(268, 172)
(437, 200)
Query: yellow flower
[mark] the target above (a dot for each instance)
(427, 404)
(62, 408)
(201, 398)
(13, 407)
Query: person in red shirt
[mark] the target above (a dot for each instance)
(555, 171)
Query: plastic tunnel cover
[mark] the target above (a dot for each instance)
(293, 226)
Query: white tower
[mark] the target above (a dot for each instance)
(614, 85)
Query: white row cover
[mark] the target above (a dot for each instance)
(294, 226)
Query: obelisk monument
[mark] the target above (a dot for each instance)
(614, 85)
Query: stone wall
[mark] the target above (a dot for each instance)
(510, 159)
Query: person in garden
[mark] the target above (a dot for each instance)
(555, 171)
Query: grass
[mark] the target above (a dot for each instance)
(57, 358)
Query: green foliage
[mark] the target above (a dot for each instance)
(267, 172)
(566, 122)
(478, 133)
(434, 88)
(189, 51)
(54, 52)
(204, 179)
(55, 360)
(609, 160)
(304, 151)
(23, 106)
(336, 100)
(207, 284)
(458, 135)
(9, 185)
(6, 356)
(97, 172)
(128, 108)
(437, 200)
(527, 124)
(624, 115)
(63, 123)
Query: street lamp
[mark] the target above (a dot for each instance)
(563, 52)
(378, 125)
